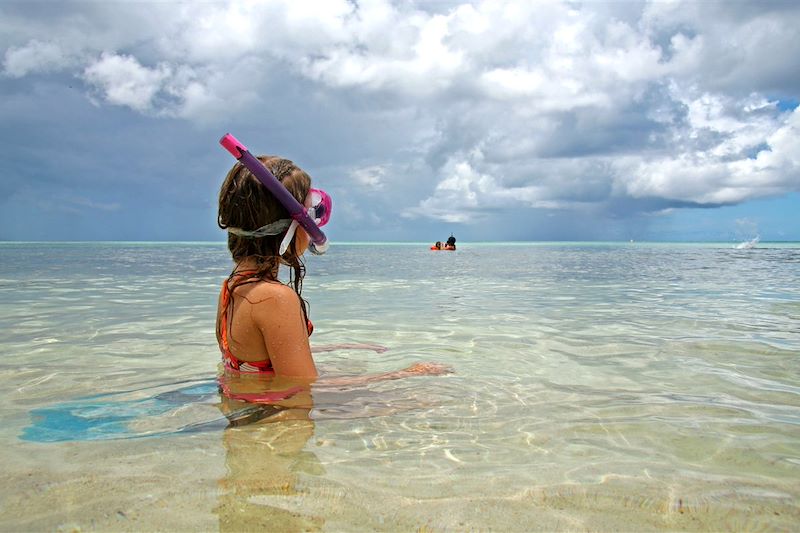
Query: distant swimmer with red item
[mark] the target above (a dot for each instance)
(450, 245)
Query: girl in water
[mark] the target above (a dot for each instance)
(263, 324)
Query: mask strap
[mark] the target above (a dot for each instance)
(273, 228)
(288, 237)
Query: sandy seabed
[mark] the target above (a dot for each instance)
(262, 480)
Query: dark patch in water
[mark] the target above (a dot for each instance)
(109, 416)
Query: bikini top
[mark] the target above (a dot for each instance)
(231, 361)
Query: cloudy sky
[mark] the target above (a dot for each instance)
(512, 120)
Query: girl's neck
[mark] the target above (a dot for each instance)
(250, 264)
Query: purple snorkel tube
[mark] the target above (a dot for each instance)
(319, 243)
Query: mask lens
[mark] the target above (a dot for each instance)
(321, 203)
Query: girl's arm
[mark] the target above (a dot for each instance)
(417, 369)
(280, 318)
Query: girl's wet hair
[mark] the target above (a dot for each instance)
(245, 203)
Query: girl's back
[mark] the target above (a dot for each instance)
(261, 322)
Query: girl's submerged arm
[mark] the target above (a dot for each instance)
(417, 369)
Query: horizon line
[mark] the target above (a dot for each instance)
(376, 242)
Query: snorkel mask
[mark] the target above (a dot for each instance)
(312, 216)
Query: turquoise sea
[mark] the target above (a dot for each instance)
(596, 387)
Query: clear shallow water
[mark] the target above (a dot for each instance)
(596, 386)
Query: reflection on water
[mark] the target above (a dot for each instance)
(260, 489)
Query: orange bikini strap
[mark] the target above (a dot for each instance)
(226, 298)
(223, 318)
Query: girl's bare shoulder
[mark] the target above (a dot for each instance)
(270, 290)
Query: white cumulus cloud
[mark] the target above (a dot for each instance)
(122, 80)
(34, 57)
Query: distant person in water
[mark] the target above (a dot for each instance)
(262, 323)
(449, 245)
